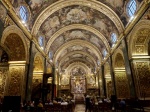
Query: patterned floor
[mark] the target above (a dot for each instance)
(80, 108)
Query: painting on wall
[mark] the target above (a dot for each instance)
(78, 15)
(64, 80)
(78, 85)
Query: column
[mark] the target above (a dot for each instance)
(112, 76)
(53, 83)
(103, 81)
(3, 76)
(98, 73)
(29, 70)
(128, 69)
(44, 86)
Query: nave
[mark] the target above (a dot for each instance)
(72, 48)
(79, 108)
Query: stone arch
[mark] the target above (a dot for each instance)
(37, 78)
(78, 60)
(15, 43)
(118, 59)
(80, 52)
(77, 42)
(139, 39)
(121, 81)
(139, 45)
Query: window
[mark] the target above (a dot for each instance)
(50, 55)
(131, 8)
(23, 13)
(113, 38)
(41, 41)
(104, 53)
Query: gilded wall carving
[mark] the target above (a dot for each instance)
(122, 86)
(139, 49)
(16, 82)
(38, 65)
(142, 75)
(142, 36)
(3, 13)
(3, 76)
(8, 21)
(37, 72)
(109, 88)
(119, 63)
(17, 51)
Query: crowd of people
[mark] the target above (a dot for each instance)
(39, 106)
(112, 104)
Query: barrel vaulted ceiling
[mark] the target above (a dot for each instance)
(77, 31)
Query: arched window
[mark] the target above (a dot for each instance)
(131, 7)
(23, 13)
(104, 53)
(41, 41)
(113, 38)
(50, 55)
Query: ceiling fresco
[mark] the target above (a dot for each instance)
(77, 34)
(78, 15)
(78, 71)
(76, 60)
(76, 48)
(118, 6)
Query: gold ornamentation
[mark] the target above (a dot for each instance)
(8, 21)
(9, 31)
(38, 64)
(142, 36)
(109, 88)
(139, 38)
(119, 63)
(122, 86)
(3, 13)
(16, 81)
(3, 76)
(16, 46)
(142, 76)
(139, 49)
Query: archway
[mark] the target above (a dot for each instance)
(15, 44)
(37, 78)
(121, 81)
(139, 53)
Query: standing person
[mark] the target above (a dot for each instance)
(87, 103)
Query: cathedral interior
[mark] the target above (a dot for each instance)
(71, 48)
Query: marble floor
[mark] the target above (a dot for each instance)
(80, 108)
